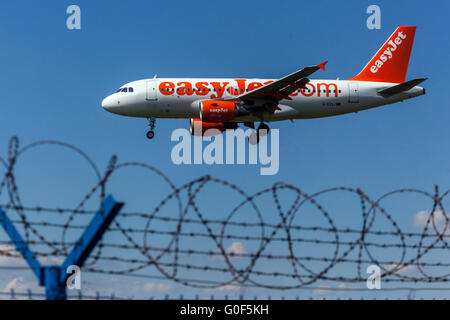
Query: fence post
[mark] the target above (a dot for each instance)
(54, 278)
(53, 288)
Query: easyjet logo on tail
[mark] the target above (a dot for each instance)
(390, 63)
(389, 52)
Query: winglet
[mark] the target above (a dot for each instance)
(322, 65)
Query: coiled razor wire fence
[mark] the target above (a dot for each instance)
(263, 240)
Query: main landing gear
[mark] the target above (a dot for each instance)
(151, 123)
(263, 130)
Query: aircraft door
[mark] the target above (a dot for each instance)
(353, 94)
(151, 90)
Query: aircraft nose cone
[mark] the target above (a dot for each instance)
(107, 103)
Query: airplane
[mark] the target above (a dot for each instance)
(224, 103)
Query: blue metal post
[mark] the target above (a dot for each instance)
(54, 289)
(54, 277)
(20, 244)
(90, 237)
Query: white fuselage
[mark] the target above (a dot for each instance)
(179, 98)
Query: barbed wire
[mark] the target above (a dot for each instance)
(267, 239)
(79, 295)
(30, 295)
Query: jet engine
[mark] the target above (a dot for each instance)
(220, 111)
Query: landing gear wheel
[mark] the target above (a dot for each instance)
(253, 139)
(151, 123)
(263, 130)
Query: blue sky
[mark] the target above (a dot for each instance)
(53, 80)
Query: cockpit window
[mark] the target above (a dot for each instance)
(128, 89)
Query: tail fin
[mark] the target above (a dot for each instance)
(390, 63)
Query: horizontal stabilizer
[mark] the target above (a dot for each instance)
(402, 87)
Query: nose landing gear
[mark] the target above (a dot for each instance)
(151, 123)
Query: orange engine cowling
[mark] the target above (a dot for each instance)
(217, 111)
(199, 128)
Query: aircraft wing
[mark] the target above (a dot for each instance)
(282, 88)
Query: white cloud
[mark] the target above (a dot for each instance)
(439, 217)
(400, 268)
(322, 290)
(13, 284)
(236, 248)
(342, 285)
(9, 256)
(21, 285)
(156, 287)
(229, 287)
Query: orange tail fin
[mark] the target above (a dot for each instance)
(390, 63)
